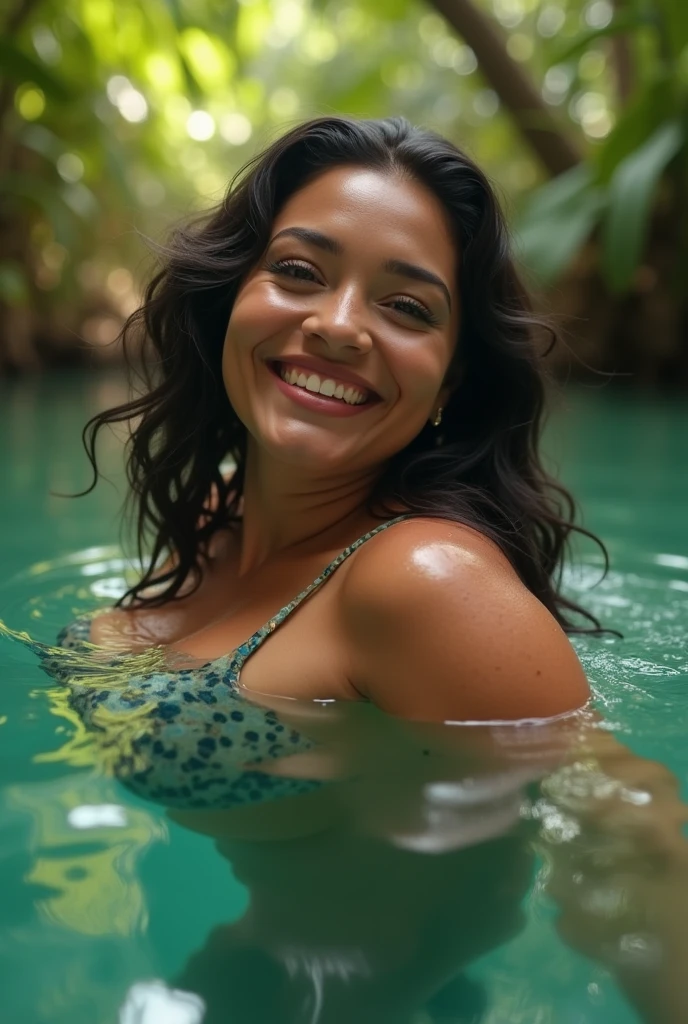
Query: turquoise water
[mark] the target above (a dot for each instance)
(407, 897)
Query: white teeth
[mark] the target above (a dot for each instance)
(327, 387)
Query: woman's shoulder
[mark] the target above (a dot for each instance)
(441, 626)
(424, 561)
(426, 547)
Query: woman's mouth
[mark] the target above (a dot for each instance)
(327, 391)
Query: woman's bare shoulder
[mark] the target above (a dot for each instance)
(428, 546)
(441, 626)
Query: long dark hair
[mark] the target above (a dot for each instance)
(483, 470)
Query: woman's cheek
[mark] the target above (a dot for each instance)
(421, 375)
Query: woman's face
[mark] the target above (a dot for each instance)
(340, 338)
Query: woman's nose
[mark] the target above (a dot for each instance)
(339, 320)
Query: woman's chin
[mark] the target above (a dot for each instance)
(308, 447)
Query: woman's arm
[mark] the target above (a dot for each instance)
(620, 881)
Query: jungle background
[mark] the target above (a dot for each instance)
(118, 118)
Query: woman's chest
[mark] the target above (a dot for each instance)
(306, 657)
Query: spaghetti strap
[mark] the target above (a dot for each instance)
(241, 654)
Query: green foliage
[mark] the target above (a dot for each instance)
(126, 117)
(621, 25)
(123, 117)
(619, 182)
(558, 220)
(629, 203)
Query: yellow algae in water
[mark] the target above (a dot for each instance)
(100, 749)
(96, 891)
(110, 734)
(89, 664)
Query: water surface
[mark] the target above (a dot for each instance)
(425, 887)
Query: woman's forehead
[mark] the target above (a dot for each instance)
(368, 208)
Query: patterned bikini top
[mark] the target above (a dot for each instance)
(183, 737)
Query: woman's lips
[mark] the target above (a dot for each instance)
(316, 402)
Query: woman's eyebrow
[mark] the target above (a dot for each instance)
(398, 267)
(314, 237)
(403, 269)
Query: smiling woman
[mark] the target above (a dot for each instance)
(349, 329)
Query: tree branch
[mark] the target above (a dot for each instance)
(515, 89)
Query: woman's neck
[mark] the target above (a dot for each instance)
(285, 507)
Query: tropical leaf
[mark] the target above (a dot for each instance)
(548, 198)
(557, 221)
(623, 24)
(631, 192)
(636, 124)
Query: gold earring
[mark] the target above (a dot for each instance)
(438, 417)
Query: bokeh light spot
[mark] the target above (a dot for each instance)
(30, 101)
(70, 167)
(200, 125)
(235, 129)
(520, 46)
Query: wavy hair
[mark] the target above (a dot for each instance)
(484, 469)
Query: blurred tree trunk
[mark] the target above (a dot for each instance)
(516, 90)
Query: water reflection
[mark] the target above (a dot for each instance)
(371, 899)
(382, 888)
(153, 1002)
(85, 856)
(375, 896)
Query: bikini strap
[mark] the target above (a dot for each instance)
(253, 643)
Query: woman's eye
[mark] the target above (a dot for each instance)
(292, 268)
(415, 309)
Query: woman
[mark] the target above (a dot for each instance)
(347, 327)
